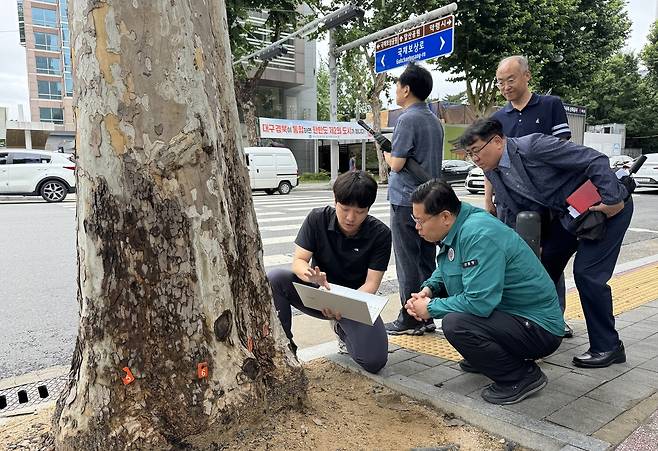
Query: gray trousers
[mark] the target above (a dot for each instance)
(367, 345)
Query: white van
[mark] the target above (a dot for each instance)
(271, 169)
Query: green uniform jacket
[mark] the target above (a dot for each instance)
(486, 266)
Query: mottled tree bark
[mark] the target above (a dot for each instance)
(170, 259)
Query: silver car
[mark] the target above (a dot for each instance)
(647, 176)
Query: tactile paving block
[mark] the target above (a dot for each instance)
(629, 290)
(432, 344)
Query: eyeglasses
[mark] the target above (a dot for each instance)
(420, 222)
(509, 81)
(475, 153)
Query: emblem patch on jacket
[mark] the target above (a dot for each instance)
(470, 264)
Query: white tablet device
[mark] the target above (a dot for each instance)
(353, 304)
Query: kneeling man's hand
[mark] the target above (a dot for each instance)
(417, 307)
(328, 313)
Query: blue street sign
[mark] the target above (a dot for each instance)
(422, 43)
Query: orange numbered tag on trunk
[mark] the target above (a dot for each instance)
(128, 378)
(202, 370)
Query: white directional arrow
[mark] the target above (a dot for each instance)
(443, 42)
(383, 65)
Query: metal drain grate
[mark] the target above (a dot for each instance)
(28, 395)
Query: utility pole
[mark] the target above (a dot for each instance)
(333, 106)
(335, 52)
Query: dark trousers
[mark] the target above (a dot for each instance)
(592, 269)
(367, 345)
(415, 258)
(502, 346)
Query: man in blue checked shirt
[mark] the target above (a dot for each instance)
(538, 172)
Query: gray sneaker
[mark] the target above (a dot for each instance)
(342, 347)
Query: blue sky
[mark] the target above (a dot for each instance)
(13, 79)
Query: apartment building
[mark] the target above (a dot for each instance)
(44, 32)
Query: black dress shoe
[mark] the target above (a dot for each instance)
(601, 359)
(568, 331)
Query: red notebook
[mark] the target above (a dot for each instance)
(584, 197)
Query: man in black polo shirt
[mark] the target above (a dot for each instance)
(345, 246)
(524, 114)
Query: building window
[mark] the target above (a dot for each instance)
(51, 90)
(44, 17)
(65, 35)
(50, 66)
(46, 41)
(68, 84)
(54, 115)
(21, 21)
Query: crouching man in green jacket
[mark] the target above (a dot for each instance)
(499, 306)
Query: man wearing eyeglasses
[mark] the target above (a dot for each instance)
(498, 304)
(526, 113)
(538, 172)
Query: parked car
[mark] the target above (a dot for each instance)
(272, 169)
(50, 175)
(455, 170)
(475, 181)
(620, 161)
(647, 176)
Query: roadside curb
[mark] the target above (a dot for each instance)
(526, 431)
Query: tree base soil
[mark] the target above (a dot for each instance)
(344, 411)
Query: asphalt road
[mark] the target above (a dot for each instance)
(38, 307)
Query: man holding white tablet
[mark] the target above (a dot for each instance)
(344, 246)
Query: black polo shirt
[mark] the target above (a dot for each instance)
(542, 114)
(346, 260)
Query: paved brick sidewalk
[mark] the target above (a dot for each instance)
(592, 409)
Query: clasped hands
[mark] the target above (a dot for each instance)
(314, 275)
(417, 304)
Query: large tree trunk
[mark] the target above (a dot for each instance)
(170, 260)
(251, 122)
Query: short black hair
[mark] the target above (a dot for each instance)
(436, 196)
(418, 79)
(483, 128)
(355, 188)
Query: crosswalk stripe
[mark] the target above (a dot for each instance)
(279, 228)
(375, 206)
(279, 240)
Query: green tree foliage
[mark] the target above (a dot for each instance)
(649, 54)
(458, 98)
(282, 15)
(580, 34)
(381, 14)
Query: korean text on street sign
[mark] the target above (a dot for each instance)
(433, 39)
(293, 129)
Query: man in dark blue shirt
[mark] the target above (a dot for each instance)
(537, 173)
(526, 113)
